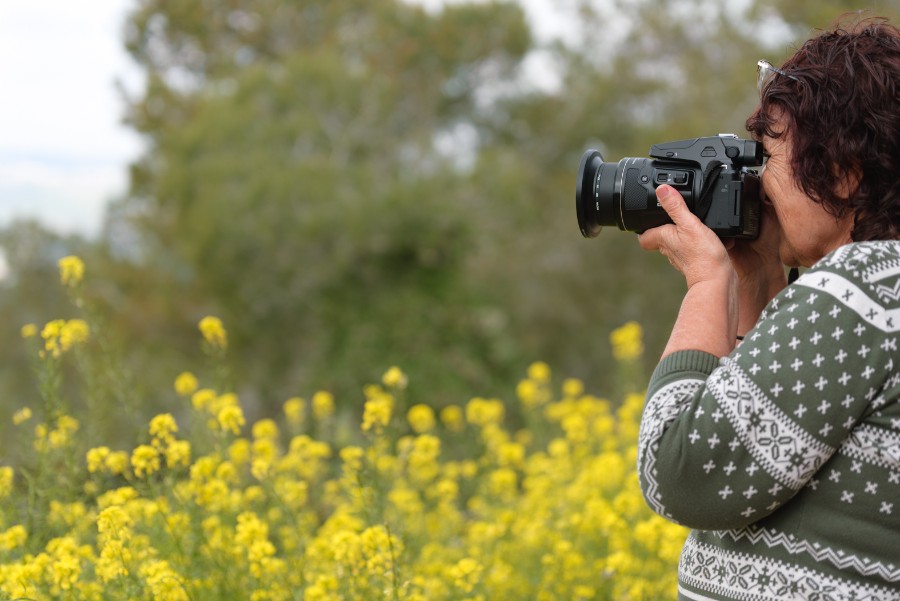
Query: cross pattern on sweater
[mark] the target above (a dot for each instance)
(802, 417)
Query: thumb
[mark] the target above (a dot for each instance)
(673, 204)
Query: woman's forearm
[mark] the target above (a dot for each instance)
(708, 318)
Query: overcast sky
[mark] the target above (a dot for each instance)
(63, 149)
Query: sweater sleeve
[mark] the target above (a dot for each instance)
(725, 442)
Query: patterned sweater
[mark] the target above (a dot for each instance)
(785, 455)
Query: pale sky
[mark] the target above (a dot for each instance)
(63, 149)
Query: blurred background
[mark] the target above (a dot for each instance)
(353, 184)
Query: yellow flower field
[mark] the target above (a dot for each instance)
(460, 503)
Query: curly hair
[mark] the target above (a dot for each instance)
(841, 96)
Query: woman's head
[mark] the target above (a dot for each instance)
(838, 102)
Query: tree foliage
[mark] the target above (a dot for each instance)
(298, 176)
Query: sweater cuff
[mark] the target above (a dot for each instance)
(683, 363)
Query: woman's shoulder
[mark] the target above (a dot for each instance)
(861, 275)
(863, 261)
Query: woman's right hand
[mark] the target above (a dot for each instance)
(708, 318)
(689, 245)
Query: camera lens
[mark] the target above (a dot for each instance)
(594, 198)
(623, 194)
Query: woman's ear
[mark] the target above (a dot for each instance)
(847, 181)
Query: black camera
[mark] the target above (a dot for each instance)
(713, 175)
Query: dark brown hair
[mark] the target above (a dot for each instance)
(842, 103)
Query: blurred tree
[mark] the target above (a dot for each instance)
(297, 174)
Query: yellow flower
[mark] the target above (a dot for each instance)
(576, 428)
(185, 383)
(114, 527)
(205, 467)
(423, 458)
(511, 454)
(294, 493)
(40, 437)
(352, 457)
(50, 333)
(466, 574)
(29, 330)
(164, 583)
(323, 405)
(502, 483)
(21, 416)
(527, 391)
(13, 538)
(145, 460)
(260, 468)
(6, 481)
(231, 418)
(394, 378)
(60, 335)
(483, 412)
(178, 453)
(115, 498)
(213, 331)
(163, 428)
(265, 448)
(116, 462)
(533, 391)
(65, 563)
(96, 459)
(69, 514)
(539, 372)
(421, 418)
(71, 271)
(60, 436)
(572, 387)
(627, 343)
(265, 429)
(229, 399)
(239, 452)
(75, 331)
(114, 521)
(249, 529)
(203, 399)
(295, 410)
(445, 490)
(452, 418)
(377, 412)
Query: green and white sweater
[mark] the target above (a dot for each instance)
(785, 455)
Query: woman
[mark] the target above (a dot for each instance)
(772, 424)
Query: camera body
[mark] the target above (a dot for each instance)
(712, 174)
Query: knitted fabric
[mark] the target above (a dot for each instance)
(785, 455)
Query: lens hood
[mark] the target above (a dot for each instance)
(585, 204)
